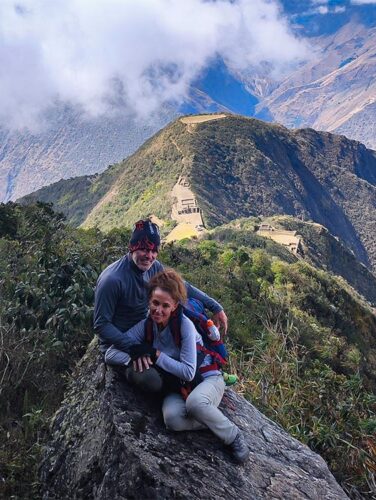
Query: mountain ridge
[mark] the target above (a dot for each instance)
(333, 92)
(237, 167)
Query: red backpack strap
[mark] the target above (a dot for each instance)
(218, 360)
(175, 325)
(148, 328)
(213, 354)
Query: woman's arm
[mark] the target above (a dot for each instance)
(185, 368)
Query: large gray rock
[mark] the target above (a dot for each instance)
(109, 442)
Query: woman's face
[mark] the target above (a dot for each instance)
(161, 305)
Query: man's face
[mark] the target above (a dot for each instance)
(144, 258)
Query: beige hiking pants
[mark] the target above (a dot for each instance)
(200, 410)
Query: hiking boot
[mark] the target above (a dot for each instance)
(229, 378)
(239, 448)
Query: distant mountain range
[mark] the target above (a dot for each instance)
(236, 167)
(69, 145)
(334, 91)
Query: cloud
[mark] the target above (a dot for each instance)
(139, 54)
(363, 2)
(329, 7)
(324, 7)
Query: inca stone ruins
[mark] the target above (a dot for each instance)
(185, 211)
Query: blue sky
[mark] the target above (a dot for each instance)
(325, 16)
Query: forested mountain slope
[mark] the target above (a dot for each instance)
(317, 247)
(303, 345)
(236, 167)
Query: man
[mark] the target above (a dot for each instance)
(121, 298)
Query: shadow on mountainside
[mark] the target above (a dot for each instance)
(320, 203)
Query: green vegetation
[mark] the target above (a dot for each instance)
(303, 346)
(143, 186)
(326, 252)
(238, 167)
(46, 287)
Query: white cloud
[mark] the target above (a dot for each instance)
(363, 2)
(143, 53)
(323, 7)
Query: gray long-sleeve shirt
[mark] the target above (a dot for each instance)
(121, 300)
(180, 362)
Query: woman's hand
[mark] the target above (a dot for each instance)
(146, 361)
(142, 363)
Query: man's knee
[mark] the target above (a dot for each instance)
(147, 380)
(115, 357)
(173, 420)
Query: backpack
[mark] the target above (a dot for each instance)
(195, 311)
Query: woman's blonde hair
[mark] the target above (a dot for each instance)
(171, 282)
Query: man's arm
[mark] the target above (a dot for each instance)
(106, 297)
(209, 303)
(219, 316)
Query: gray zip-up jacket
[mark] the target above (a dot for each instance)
(180, 362)
(121, 300)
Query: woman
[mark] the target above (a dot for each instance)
(159, 359)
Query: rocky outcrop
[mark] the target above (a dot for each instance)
(108, 441)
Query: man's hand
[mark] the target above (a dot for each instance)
(141, 350)
(220, 321)
(141, 363)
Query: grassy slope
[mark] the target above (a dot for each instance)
(304, 345)
(326, 252)
(75, 197)
(238, 167)
(245, 167)
(144, 184)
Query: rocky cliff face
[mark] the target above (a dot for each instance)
(335, 90)
(108, 441)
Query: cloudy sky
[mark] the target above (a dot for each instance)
(137, 53)
(141, 53)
